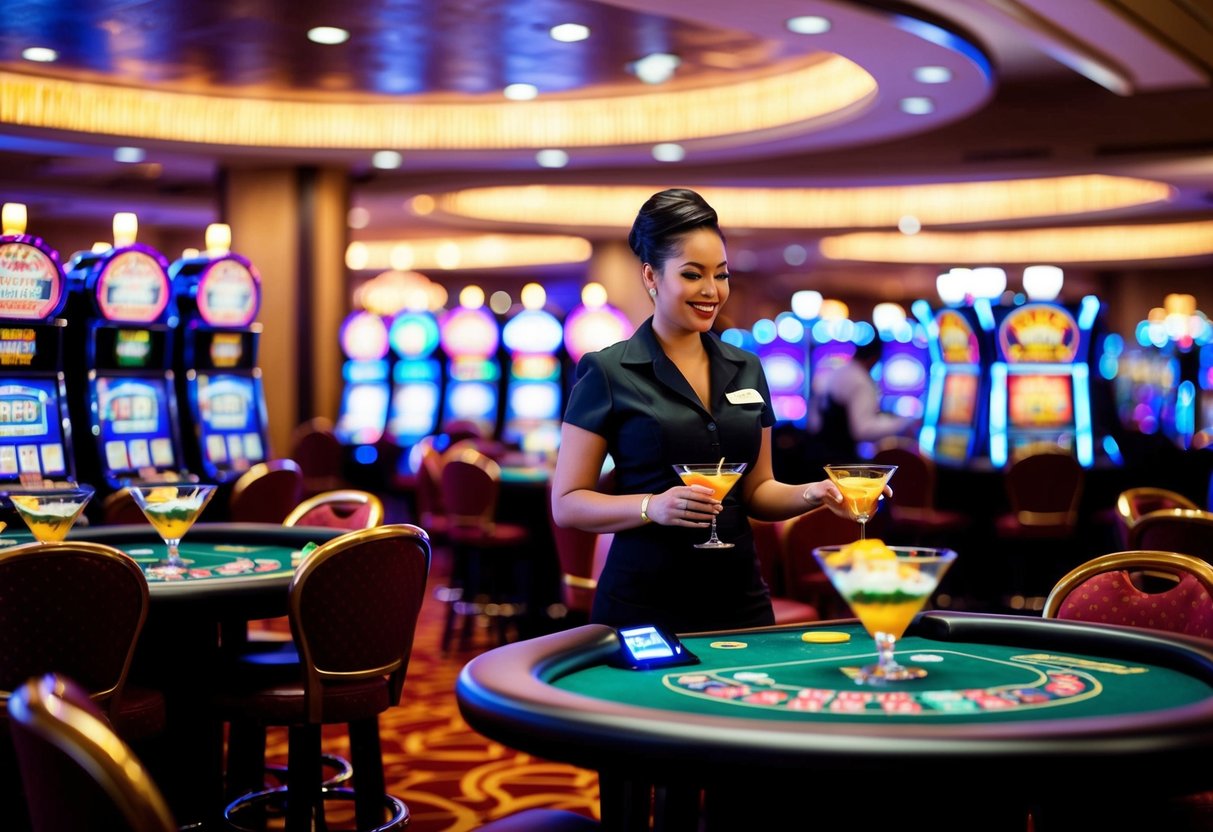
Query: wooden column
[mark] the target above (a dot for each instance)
(291, 223)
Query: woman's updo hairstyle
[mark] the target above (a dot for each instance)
(664, 219)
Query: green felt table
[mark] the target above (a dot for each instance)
(239, 572)
(1011, 709)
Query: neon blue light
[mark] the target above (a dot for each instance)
(1087, 311)
(366, 454)
(1142, 333)
(1185, 411)
(864, 333)
(1114, 344)
(789, 327)
(985, 314)
(733, 336)
(1082, 415)
(998, 413)
(764, 331)
(1109, 366)
(922, 311)
(1113, 450)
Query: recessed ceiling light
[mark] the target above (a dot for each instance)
(386, 160)
(932, 75)
(569, 32)
(656, 68)
(520, 92)
(358, 217)
(40, 54)
(909, 224)
(129, 155)
(328, 35)
(669, 152)
(552, 158)
(917, 105)
(808, 24)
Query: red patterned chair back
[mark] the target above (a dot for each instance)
(76, 772)
(1109, 589)
(354, 605)
(1044, 489)
(1134, 503)
(575, 550)
(1175, 530)
(75, 608)
(470, 487)
(348, 508)
(267, 492)
(316, 448)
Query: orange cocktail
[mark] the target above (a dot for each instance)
(720, 477)
(862, 485)
(721, 484)
(172, 510)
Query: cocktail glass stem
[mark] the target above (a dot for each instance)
(713, 540)
(173, 557)
(889, 668)
(863, 529)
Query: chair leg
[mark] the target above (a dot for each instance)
(304, 776)
(246, 758)
(366, 754)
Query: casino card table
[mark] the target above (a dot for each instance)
(238, 572)
(1016, 715)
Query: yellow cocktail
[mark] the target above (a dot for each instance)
(720, 477)
(862, 485)
(51, 513)
(172, 510)
(885, 586)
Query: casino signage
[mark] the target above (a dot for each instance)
(1039, 333)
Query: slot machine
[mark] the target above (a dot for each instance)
(593, 325)
(224, 425)
(955, 418)
(905, 363)
(366, 394)
(470, 336)
(122, 397)
(534, 391)
(35, 430)
(416, 400)
(1040, 380)
(782, 347)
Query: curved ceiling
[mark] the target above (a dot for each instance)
(1095, 88)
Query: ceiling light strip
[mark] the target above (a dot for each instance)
(1092, 244)
(805, 92)
(939, 204)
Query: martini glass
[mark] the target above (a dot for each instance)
(172, 510)
(885, 586)
(51, 512)
(720, 477)
(861, 485)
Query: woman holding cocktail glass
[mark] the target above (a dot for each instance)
(674, 395)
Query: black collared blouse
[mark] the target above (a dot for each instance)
(633, 396)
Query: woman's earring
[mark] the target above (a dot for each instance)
(652, 292)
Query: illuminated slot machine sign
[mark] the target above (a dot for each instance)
(225, 423)
(904, 373)
(35, 433)
(416, 377)
(367, 392)
(781, 346)
(594, 324)
(1040, 381)
(470, 336)
(131, 397)
(534, 395)
(956, 393)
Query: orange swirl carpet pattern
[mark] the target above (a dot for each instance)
(451, 778)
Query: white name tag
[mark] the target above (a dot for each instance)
(747, 396)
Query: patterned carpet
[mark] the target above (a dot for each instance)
(452, 779)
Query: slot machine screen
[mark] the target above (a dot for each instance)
(228, 411)
(31, 428)
(1040, 401)
(959, 405)
(364, 411)
(136, 426)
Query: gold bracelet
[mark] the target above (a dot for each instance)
(644, 509)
